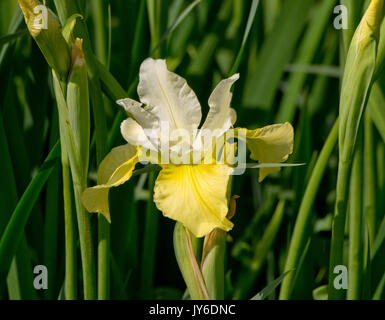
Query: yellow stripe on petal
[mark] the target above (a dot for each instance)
(270, 144)
(114, 170)
(195, 195)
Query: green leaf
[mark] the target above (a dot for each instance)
(305, 56)
(15, 228)
(320, 293)
(263, 294)
(302, 226)
(247, 279)
(272, 165)
(180, 18)
(250, 21)
(380, 288)
(10, 37)
(263, 82)
(16, 21)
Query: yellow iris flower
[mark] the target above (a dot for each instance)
(194, 194)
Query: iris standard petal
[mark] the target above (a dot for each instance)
(115, 169)
(195, 195)
(220, 116)
(168, 96)
(270, 144)
(144, 118)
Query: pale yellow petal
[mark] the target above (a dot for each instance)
(96, 200)
(144, 118)
(168, 96)
(115, 169)
(195, 195)
(270, 144)
(220, 116)
(135, 135)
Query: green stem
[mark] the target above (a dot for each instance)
(213, 263)
(154, 16)
(355, 265)
(103, 225)
(70, 281)
(300, 233)
(369, 179)
(338, 227)
(79, 181)
(85, 242)
(100, 31)
(70, 284)
(184, 253)
(79, 118)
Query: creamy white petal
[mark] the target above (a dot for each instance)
(145, 119)
(168, 95)
(134, 134)
(220, 115)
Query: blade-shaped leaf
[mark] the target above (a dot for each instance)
(264, 293)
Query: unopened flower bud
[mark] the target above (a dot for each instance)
(45, 28)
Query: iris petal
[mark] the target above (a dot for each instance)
(168, 96)
(144, 118)
(134, 134)
(220, 116)
(195, 196)
(115, 169)
(270, 144)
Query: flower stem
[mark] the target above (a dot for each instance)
(103, 225)
(300, 235)
(338, 227)
(355, 265)
(70, 235)
(184, 253)
(369, 179)
(79, 179)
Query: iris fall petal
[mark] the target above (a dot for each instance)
(195, 195)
